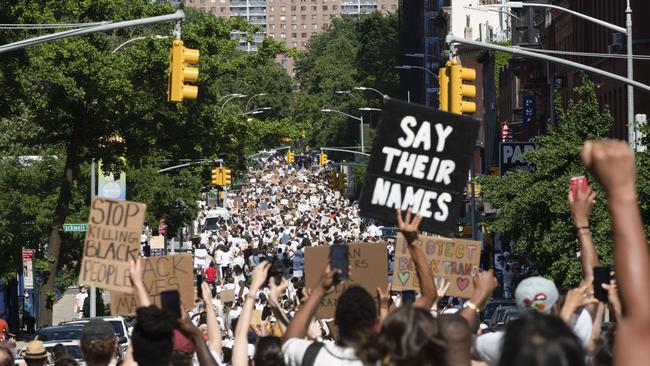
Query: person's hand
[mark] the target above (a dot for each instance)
(206, 292)
(581, 204)
(258, 277)
(407, 227)
(442, 286)
(484, 284)
(578, 297)
(314, 330)
(383, 297)
(277, 290)
(612, 163)
(136, 271)
(185, 325)
(263, 329)
(327, 279)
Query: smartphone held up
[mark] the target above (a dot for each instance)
(339, 260)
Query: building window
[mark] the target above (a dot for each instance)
(335, 7)
(314, 8)
(272, 35)
(293, 8)
(326, 17)
(314, 26)
(303, 8)
(213, 9)
(283, 26)
(393, 7)
(283, 35)
(283, 8)
(284, 62)
(303, 26)
(303, 35)
(303, 17)
(293, 17)
(271, 17)
(272, 26)
(273, 8)
(294, 44)
(294, 26)
(282, 17)
(324, 7)
(325, 25)
(294, 35)
(314, 17)
(222, 9)
(304, 44)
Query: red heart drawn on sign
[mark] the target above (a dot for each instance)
(462, 283)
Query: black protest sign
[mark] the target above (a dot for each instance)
(112, 241)
(420, 160)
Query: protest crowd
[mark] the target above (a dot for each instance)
(253, 306)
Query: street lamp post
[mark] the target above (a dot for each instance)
(360, 119)
(137, 39)
(256, 111)
(373, 89)
(627, 31)
(348, 93)
(251, 98)
(230, 97)
(410, 67)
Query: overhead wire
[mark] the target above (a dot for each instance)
(586, 54)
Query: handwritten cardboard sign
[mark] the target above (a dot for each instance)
(227, 296)
(456, 260)
(419, 160)
(369, 262)
(164, 273)
(111, 242)
(157, 242)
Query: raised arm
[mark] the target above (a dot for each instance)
(136, 271)
(214, 332)
(484, 284)
(409, 230)
(612, 163)
(240, 349)
(274, 303)
(581, 205)
(298, 325)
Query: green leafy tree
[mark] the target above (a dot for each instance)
(532, 208)
(86, 103)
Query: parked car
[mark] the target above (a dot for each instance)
(119, 324)
(71, 347)
(491, 306)
(502, 313)
(68, 332)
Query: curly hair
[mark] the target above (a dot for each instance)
(153, 336)
(409, 336)
(356, 314)
(268, 352)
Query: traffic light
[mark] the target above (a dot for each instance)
(334, 180)
(458, 90)
(443, 89)
(217, 178)
(343, 181)
(226, 177)
(180, 73)
(322, 158)
(290, 157)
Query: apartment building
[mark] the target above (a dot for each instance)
(290, 21)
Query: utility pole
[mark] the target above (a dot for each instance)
(93, 289)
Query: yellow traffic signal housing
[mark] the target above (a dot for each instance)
(227, 180)
(180, 73)
(443, 89)
(322, 158)
(217, 177)
(334, 180)
(290, 157)
(222, 195)
(458, 90)
(343, 181)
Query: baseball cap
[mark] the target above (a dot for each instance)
(96, 330)
(536, 293)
